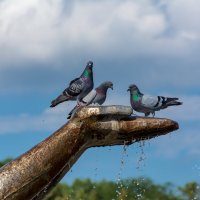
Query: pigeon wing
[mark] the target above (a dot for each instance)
(75, 87)
(151, 102)
(85, 101)
(88, 99)
(99, 99)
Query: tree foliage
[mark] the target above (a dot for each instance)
(191, 190)
(128, 189)
(3, 162)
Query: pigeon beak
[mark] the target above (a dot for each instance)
(91, 66)
(111, 87)
(128, 89)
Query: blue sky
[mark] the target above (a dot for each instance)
(153, 43)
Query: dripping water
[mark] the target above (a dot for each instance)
(139, 188)
(109, 148)
(142, 156)
(95, 173)
(140, 166)
(119, 175)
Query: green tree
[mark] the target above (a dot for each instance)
(145, 189)
(128, 189)
(5, 161)
(106, 190)
(190, 191)
(60, 192)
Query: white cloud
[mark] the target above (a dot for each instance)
(184, 14)
(48, 120)
(189, 35)
(57, 35)
(28, 29)
(41, 30)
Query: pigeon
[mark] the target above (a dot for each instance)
(148, 104)
(78, 88)
(96, 97)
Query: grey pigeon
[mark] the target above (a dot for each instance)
(97, 97)
(78, 88)
(149, 104)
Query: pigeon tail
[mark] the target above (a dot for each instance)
(174, 103)
(72, 112)
(171, 99)
(61, 98)
(69, 116)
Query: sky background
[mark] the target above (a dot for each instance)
(152, 43)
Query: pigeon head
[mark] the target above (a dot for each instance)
(88, 69)
(107, 84)
(89, 65)
(104, 86)
(133, 88)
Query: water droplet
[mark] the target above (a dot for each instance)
(122, 163)
(142, 156)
